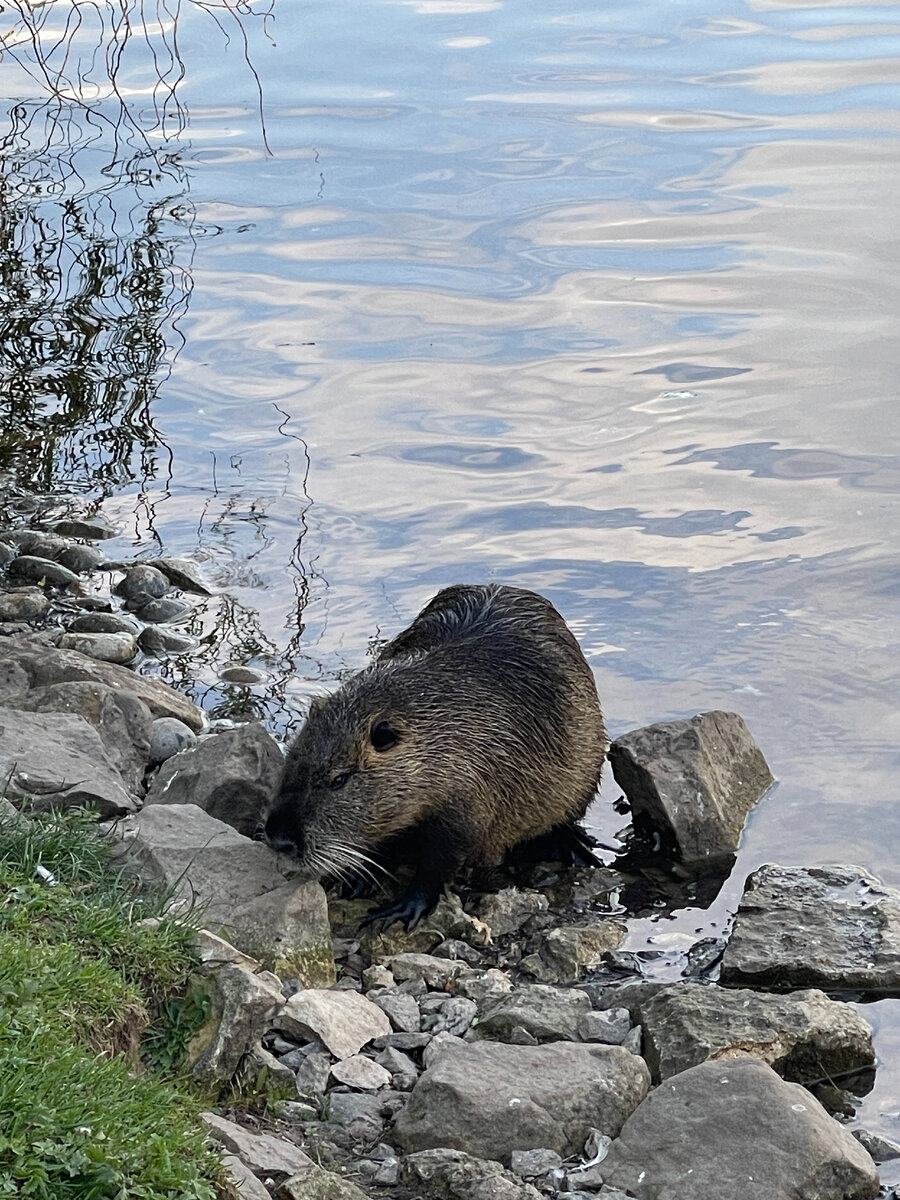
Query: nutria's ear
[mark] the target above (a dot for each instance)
(383, 736)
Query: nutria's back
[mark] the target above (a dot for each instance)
(478, 728)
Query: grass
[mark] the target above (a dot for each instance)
(90, 974)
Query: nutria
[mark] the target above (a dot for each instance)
(477, 729)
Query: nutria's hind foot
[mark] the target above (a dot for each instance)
(408, 910)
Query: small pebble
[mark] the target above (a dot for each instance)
(169, 737)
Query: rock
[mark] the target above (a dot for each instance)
(232, 775)
(245, 1184)
(28, 666)
(263, 1153)
(7, 553)
(103, 622)
(400, 1066)
(482, 986)
(508, 910)
(692, 782)
(81, 559)
(610, 1028)
(25, 604)
(242, 1006)
(531, 1164)
(570, 950)
(833, 927)
(313, 1074)
(40, 545)
(169, 736)
(237, 883)
(547, 1013)
(402, 1041)
(455, 1175)
(360, 1114)
(107, 647)
(263, 1078)
(436, 972)
(401, 1009)
(212, 950)
(490, 1099)
(737, 1129)
(804, 1036)
(164, 610)
(361, 1073)
(43, 571)
(343, 1021)
(159, 640)
(377, 976)
(880, 1149)
(440, 1044)
(447, 1014)
(184, 574)
(121, 719)
(57, 760)
(142, 583)
(92, 529)
(250, 676)
(315, 1183)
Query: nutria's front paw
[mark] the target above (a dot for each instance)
(408, 910)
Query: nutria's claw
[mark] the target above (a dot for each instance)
(408, 910)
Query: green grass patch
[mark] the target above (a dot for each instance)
(90, 973)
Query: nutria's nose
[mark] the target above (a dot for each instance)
(284, 845)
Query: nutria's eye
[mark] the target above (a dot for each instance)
(383, 736)
(337, 781)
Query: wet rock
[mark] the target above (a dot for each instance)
(804, 1037)
(167, 609)
(232, 775)
(737, 1129)
(103, 622)
(121, 719)
(40, 545)
(184, 574)
(237, 882)
(242, 1005)
(455, 1175)
(169, 736)
(249, 676)
(7, 553)
(509, 910)
(92, 529)
(107, 647)
(571, 950)
(692, 781)
(28, 666)
(42, 571)
(158, 640)
(25, 604)
(547, 1013)
(834, 927)
(263, 1153)
(142, 583)
(611, 1028)
(57, 760)
(344, 1022)
(81, 559)
(880, 1149)
(490, 1099)
(361, 1073)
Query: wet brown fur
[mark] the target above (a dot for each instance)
(495, 737)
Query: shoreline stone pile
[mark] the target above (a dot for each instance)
(502, 1050)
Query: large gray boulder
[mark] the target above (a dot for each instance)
(490, 1099)
(57, 760)
(547, 1013)
(736, 1129)
(236, 883)
(692, 781)
(231, 775)
(121, 719)
(805, 1036)
(27, 664)
(834, 927)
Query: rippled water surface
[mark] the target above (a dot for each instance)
(601, 301)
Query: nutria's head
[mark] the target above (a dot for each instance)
(339, 795)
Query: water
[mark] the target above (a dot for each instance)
(597, 300)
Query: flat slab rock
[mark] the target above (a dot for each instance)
(735, 1129)
(489, 1099)
(834, 927)
(237, 883)
(692, 781)
(344, 1021)
(804, 1036)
